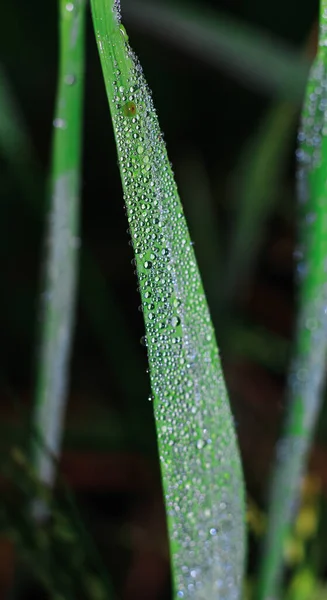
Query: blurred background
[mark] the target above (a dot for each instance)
(228, 79)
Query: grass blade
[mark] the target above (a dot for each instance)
(260, 171)
(258, 178)
(264, 64)
(101, 307)
(59, 296)
(15, 142)
(58, 551)
(200, 462)
(307, 373)
(203, 223)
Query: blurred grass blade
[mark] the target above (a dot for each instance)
(61, 265)
(200, 463)
(257, 188)
(101, 309)
(257, 184)
(58, 551)
(195, 185)
(103, 312)
(308, 367)
(257, 344)
(15, 142)
(268, 65)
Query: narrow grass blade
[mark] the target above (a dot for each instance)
(257, 189)
(264, 64)
(251, 342)
(101, 307)
(15, 142)
(257, 181)
(61, 266)
(58, 552)
(195, 186)
(200, 462)
(308, 367)
(106, 319)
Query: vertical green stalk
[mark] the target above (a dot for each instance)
(200, 463)
(307, 373)
(62, 241)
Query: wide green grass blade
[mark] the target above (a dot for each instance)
(62, 241)
(308, 367)
(201, 472)
(264, 64)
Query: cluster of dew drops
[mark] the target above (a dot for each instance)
(195, 432)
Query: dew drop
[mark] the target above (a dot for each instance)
(175, 321)
(123, 32)
(59, 123)
(70, 79)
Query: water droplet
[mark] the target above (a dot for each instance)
(123, 32)
(59, 123)
(70, 79)
(70, 6)
(175, 321)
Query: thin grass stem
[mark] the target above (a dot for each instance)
(62, 241)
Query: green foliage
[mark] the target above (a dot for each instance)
(200, 465)
(199, 458)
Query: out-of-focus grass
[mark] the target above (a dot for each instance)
(256, 183)
(267, 65)
(16, 146)
(195, 187)
(58, 296)
(101, 308)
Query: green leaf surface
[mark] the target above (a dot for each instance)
(200, 463)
